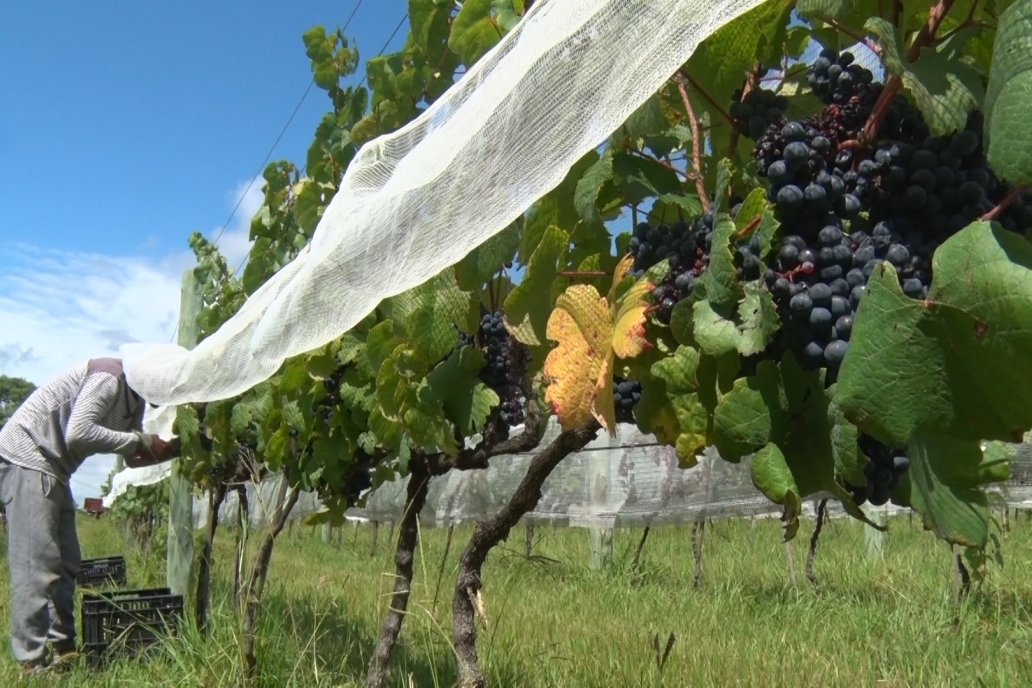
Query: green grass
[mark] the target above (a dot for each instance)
(552, 621)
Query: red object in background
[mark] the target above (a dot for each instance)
(94, 506)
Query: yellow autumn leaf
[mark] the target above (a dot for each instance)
(591, 331)
(621, 271)
(629, 327)
(581, 324)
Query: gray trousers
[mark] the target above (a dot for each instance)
(43, 556)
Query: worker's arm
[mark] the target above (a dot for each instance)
(84, 435)
(153, 450)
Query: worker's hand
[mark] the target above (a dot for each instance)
(153, 449)
(163, 451)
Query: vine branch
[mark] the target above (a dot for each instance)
(924, 38)
(969, 20)
(478, 457)
(664, 164)
(700, 187)
(859, 37)
(698, 87)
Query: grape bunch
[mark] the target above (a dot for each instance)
(360, 480)
(205, 439)
(845, 210)
(883, 468)
(836, 78)
(807, 183)
(757, 110)
(686, 248)
(504, 369)
(626, 394)
(331, 384)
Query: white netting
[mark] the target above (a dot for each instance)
(416, 201)
(627, 480)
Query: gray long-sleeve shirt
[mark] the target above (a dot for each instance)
(84, 411)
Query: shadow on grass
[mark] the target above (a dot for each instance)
(343, 645)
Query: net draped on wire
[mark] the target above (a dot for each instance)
(416, 201)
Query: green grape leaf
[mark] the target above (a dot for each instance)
(640, 178)
(380, 343)
(486, 260)
(590, 184)
(432, 314)
(749, 334)
(720, 279)
(837, 9)
(323, 362)
(758, 319)
(188, 428)
(456, 384)
(773, 477)
(946, 477)
(942, 82)
(720, 62)
(1009, 96)
(507, 13)
(669, 208)
(408, 401)
(428, 22)
(646, 121)
(275, 449)
(849, 461)
(939, 363)
(557, 208)
(474, 31)
(785, 405)
(714, 333)
(725, 175)
(757, 213)
(249, 411)
(670, 405)
(523, 307)
(927, 373)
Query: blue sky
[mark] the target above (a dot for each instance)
(124, 127)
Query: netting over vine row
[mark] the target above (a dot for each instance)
(416, 201)
(627, 480)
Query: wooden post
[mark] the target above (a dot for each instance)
(598, 489)
(790, 558)
(180, 495)
(875, 538)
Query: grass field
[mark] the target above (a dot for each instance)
(552, 621)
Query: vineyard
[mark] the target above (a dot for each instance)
(552, 621)
(803, 246)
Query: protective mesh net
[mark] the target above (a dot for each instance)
(627, 480)
(416, 201)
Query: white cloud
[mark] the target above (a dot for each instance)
(59, 308)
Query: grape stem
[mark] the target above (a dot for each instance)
(845, 30)
(924, 38)
(582, 273)
(664, 164)
(1008, 200)
(747, 231)
(716, 106)
(700, 187)
(750, 84)
(969, 20)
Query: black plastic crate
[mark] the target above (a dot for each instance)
(102, 571)
(125, 622)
